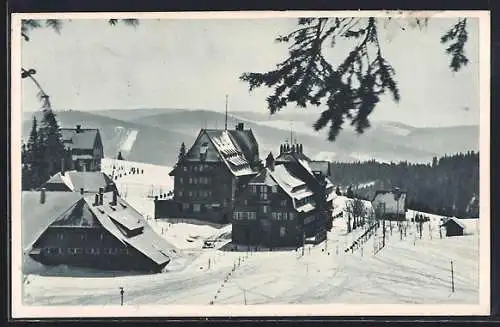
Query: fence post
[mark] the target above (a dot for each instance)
(121, 295)
(452, 278)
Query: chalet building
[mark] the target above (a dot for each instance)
(85, 148)
(454, 227)
(208, 178)
(92, 230)
(79, 181)
(282, 206)
(390, 204)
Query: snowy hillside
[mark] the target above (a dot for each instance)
(139, 182)
(407, 270)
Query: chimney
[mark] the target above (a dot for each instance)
(78, 128)
(63, 169)
(101, 196)
(81, 191)
(240, 126)
(115, 198)
(281, 148)
(293, 148)
(270, 161)
(42, 195)
(96, 200)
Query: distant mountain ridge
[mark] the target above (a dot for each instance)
(161, 131)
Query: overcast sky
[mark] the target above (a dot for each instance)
(194, 63)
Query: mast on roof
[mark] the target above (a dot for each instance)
(225, 123)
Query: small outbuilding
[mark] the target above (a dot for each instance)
(454, 227)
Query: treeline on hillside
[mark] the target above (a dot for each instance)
(447, 186)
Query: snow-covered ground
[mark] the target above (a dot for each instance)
(139, 188)
(409, 269)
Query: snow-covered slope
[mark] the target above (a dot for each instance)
(409, 269)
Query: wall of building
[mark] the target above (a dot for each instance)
(89, 246)
(392, 206)
(205, 191)
(265, 218)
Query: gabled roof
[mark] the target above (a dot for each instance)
(454, 220)
(90, 181)
(237, 149)
(82, 139)
(37, 217)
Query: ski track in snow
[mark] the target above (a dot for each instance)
(405, 271)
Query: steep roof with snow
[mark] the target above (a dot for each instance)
(237, 149)
(36, 217)
(59, 209)
(454, 220)
(81, 139)
(90, 181)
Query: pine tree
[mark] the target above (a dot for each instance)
(182, 151)
(52, 145)
(350, 193)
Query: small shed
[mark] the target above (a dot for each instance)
(454, 227)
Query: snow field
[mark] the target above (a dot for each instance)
(407, 270)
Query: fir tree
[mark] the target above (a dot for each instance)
(352, 89)
(182, 151)
(52, 145)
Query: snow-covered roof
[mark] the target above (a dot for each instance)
(231, 152)
(76, 180)
(285, 179)
(455, 220)
(82, 139)
(36, 217)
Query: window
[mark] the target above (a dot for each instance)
(185, 206)
(282, 231)
(190, 180)
(101, 236)
(291, 215)
(265, 209)
(185, 168)
(274, 189)
(181, 180)
(201, 168)
(253, 188)
(78, 251)
(263, 192)
(196, 207)
(180, 193)
(195, 180)
(190, 194)
(284, 203)
(60, 236)
(195, 168)
(83, 237)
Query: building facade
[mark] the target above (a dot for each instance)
(390, 204)
(85, 148)
(210, 175)
(278, 208)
